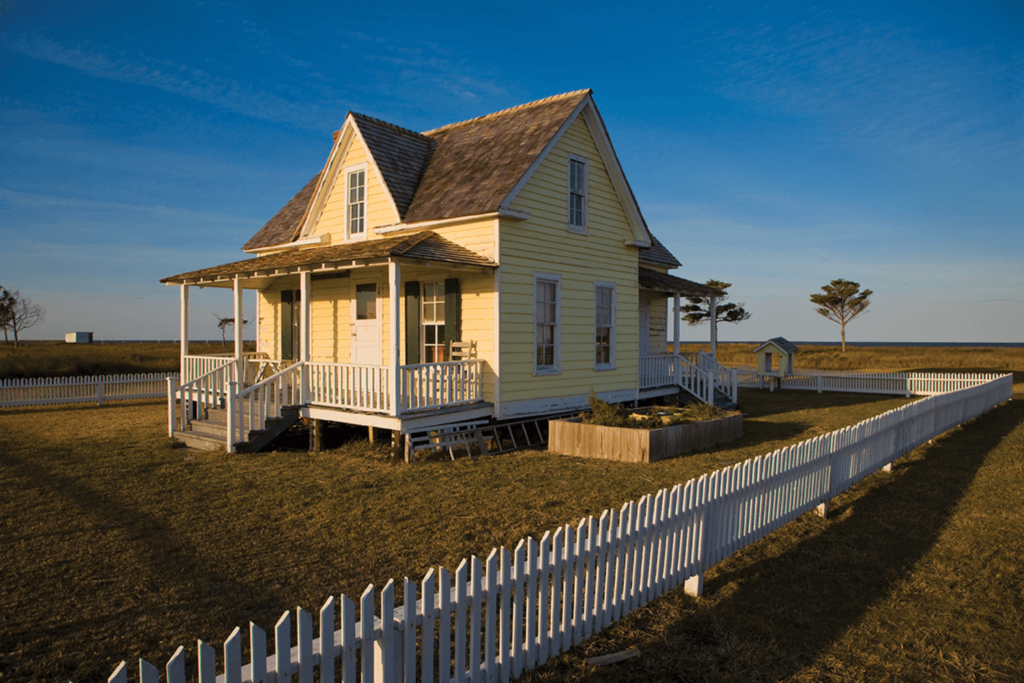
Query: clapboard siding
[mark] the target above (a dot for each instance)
(544, 244)
(379, 210)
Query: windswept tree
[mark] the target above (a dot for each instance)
(223, 324)
(698, 311)
(841, 302)
(18, 313)
(7, 301)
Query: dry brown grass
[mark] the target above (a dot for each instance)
(882, 358)
(118, 545)
(57, 359)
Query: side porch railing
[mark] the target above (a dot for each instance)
(207, 390)
(249, 409)
(726, 379)
(698, 373)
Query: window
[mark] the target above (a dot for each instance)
(357, 203)
(547, 291)
(577, 194)
(366, 301)
(433, 322)
(604, 325)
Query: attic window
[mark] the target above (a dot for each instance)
(357, 202)
(578, 194)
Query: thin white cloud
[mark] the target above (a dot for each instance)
(180, 79)
(34, 200)
(894, 86)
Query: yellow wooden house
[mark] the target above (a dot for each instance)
(488, 271)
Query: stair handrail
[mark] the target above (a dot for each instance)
(254, 400)
(726, 379)
(695, 379)
(207, 389)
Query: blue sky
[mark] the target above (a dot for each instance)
(776, 148)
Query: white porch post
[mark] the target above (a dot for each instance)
(675, 315)
(394, 282)
(239, 362)
(305, 311)
(714, 327)
(184, 331)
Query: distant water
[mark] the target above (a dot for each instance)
(1006, 345)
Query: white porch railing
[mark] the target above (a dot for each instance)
(250, 408)
(193, 367)
(369, 387)
(685, 371)
(209, 389)
(432, 385)
(726, 379)
(350, 386)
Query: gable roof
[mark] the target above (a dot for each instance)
(426, 245)
(469, 168)
(401, 156)
(781, 343)
(478, 162)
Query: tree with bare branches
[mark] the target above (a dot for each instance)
(18, 313)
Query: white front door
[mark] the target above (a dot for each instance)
(366, 348)
(645, 326)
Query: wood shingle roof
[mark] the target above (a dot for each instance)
(426, 245)
(663, 282)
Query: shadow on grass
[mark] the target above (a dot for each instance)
(118, 549)
(772, 608)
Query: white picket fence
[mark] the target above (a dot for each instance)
(515, 610)
(898, 383)
(56, 390)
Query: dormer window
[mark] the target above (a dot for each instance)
(356, 203)
(577, 194)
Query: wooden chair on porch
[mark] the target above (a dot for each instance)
(463, 350)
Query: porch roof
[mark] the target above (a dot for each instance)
(423, 246)
(663, 282)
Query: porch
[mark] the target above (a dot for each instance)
(384, 305)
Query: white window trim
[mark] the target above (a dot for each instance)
(611, 341)
(355, 168)
(578, 229)
(423, 317)
(555, 369)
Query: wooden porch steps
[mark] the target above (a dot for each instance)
(210, 432)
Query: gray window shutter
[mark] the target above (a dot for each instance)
(412, 323)
(452, 314)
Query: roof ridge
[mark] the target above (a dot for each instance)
(510, 109)
(394, 126)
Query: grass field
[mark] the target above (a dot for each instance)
(119, 545)
(57, 359)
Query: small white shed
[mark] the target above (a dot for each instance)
(775, 358)
(78, 338)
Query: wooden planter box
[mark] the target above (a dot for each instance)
(573, 437)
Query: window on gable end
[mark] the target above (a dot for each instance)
(578, 194)
(356, 201)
